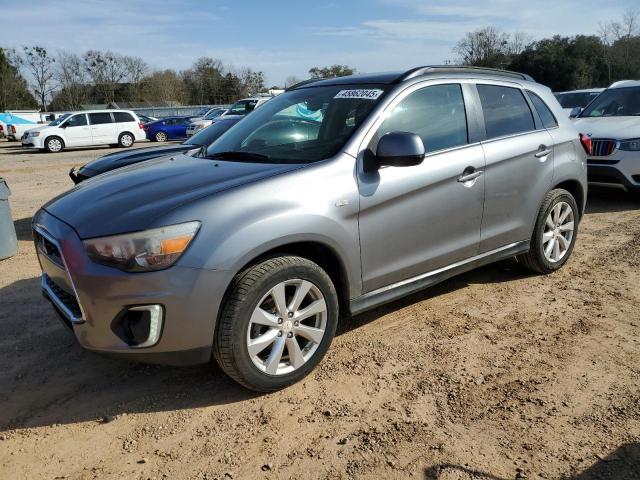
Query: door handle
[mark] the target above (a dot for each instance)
(469, 174)
(543, 151)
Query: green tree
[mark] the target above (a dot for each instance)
(14, 91)
(332, 71)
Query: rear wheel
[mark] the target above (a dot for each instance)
(53, 144)
(555, 233)
(125, 140)
(277, 323)
(160, 137)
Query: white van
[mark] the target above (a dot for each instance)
(81, 129)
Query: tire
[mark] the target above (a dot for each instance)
(253, 289)
(126, 140)
(54, 144)
(160, 137)
(538, 259)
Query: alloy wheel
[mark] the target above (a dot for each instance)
(126, 141)
(286, 327)
(558, 232)
(54, 145)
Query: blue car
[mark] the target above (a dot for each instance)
(169, 128)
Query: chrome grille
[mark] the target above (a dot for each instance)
(48, 248)
(602, 147)
(67, 299)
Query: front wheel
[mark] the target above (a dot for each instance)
(125, 140)
(555, 233)
(277, 323)
(53, 145)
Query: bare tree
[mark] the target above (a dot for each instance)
(486, 47)
(72, 80)
(618, 39)
(39, 64)
(291, 80)
(106, 70)
(135, 69)
(518, 42)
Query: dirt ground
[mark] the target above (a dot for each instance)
(496, 374)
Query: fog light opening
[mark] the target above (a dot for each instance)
(140, 326)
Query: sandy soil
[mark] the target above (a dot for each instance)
(497, 374)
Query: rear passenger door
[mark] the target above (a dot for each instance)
(519, 165)
(421, 218)
(103, 130)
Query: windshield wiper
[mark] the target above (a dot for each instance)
(238, 155)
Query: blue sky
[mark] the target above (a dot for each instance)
(285, 38)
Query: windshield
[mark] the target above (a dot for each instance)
(60, 119)
(615, 102)
(214, 114)
(208, 135)
(576, 99)
(299, 126)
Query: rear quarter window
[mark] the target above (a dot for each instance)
(123, 117)
(505, 110)
(545, 113)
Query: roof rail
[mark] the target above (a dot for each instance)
(416, 72)
(303, 83)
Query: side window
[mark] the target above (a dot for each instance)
(436, 114)
(505, 110)
(546, 115)
(77, 121)
(123, 117)
(100, 118)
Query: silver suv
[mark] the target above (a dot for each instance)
(333, 198)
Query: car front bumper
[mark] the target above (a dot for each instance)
(93, 299)
(621, 168)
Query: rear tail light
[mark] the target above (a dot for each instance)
(141, 125)
(1, 128)
(585, 140)
(13, 129)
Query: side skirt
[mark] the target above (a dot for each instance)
(411, 285)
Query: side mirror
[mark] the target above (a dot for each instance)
(575, 112)
(64, 125)
(397, 149)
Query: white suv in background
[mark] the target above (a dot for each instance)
(612, 121)
(81, 129)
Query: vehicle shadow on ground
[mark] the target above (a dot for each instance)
(49, 379)
(609, 200)
(622, 464)
(23, 228)
(504, 271)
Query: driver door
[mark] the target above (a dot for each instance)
(421, 218)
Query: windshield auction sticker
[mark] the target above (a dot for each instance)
(367, 94)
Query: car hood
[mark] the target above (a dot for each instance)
(609, 127)
(132, 198)
(121, 159)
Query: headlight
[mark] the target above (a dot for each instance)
(143, 251)
(35, 134)
(632, 145)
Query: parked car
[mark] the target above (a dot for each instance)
(198, 124)
(613, 122)
(574, 101)
(80, 129)
(247, 105)
(250, 253)
(115, 160)
(146, 118)
(15, 132)
(169, 128)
